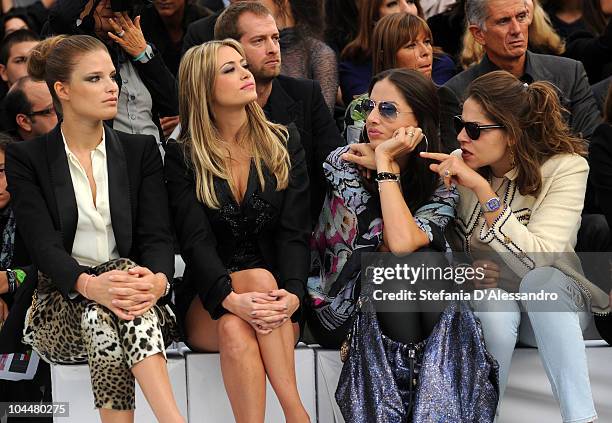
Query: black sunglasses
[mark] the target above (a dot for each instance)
(43, 112)
(386, 109)
(472, 129)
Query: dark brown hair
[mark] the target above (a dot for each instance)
(418, 182)
(533, 120)
(360, 49)
(54, 59)
(391, 33)
(227, 23)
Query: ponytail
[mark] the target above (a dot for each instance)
(534, 122)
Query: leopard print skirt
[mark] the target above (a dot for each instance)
(70, 331)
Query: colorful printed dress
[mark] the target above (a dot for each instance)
(350, 224)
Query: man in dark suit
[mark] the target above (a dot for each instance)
(203, 30)
(284, 100)
(501, 27)
(215, 5)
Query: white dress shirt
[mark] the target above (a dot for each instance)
(94, 240)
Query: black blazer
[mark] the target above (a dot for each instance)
(300, 101)
(46, 212)
(156, 33)
(200, 31)
(214, 5)
(283, 241)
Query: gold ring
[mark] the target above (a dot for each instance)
(447, 173)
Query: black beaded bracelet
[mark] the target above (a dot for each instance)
(387, 176)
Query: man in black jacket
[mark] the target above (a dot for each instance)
(203, 30)
(501, 27)
(284, 100)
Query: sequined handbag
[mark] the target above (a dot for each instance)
(459, 378)
(378, 382)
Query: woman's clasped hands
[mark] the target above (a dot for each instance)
(263, 311)
(128, 294)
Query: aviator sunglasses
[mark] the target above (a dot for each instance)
(386, 109)
(472, 129)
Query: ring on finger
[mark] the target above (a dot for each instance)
(411, 134)
(121, 33)
(447, 173)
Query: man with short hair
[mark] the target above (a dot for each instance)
(28, 109)
(502, 27)
(285, 100)
(14, 55)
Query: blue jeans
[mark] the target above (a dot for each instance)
(557, 335)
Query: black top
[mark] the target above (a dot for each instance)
(593, 50)
(563, 28)
(214, 5)
(155, 32)
(300, 101)
(200, 31)
(600, 161)
(269, 229)
(447, 30)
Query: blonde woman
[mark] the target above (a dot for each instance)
(542, 38)
(239, 193)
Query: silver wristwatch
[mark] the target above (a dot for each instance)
(492, 205)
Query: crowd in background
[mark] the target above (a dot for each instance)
(482, 126)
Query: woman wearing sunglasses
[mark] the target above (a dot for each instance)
(522, 180)
(399, 40)
(402, 119)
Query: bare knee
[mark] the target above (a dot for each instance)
(257, 280)
(237, 338)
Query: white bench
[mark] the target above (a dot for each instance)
(528, 397)
(208, 401)
(71, 383)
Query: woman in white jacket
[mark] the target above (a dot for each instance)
(522, 179)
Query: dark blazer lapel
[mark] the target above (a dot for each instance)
(282, 108)
(119, 192)
(62, 186)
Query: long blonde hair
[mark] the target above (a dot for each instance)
(542, 39)
(200, 138)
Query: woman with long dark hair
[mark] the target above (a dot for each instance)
(401, 210)
(522, 180)
(404, 216)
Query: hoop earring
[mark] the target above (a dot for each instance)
(426, 143)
